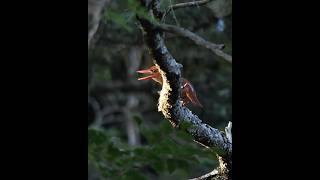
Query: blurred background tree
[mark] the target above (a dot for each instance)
(128, 138)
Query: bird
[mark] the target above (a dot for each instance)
(188, 93)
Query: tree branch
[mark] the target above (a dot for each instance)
(228, 132)
(189, 4)
(207, 176)
(215, 48)
(183, 5)
(170, 105)
(95, 8)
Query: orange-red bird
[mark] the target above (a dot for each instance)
(188, 94)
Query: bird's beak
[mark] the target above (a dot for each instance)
(146, 71)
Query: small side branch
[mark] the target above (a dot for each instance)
(207, 176)
(169, 103)
(215, 48)
(183, 5)
(189, 4)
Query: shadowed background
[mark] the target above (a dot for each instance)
(128, 138)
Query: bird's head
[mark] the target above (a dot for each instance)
(152, 72)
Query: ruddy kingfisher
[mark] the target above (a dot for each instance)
(188, 93)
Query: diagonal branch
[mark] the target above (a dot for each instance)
(170, 106)
(207, 176)
(189, 4)
(169, 103)
(215, 48)
(183, 5)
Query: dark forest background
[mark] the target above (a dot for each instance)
(128, 137)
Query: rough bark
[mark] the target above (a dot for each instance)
(170, 106)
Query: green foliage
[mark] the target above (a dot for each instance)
(120, 18)
(125, 16)
(167, 154)
(103, 74)
(133, 175)
(96, 137)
